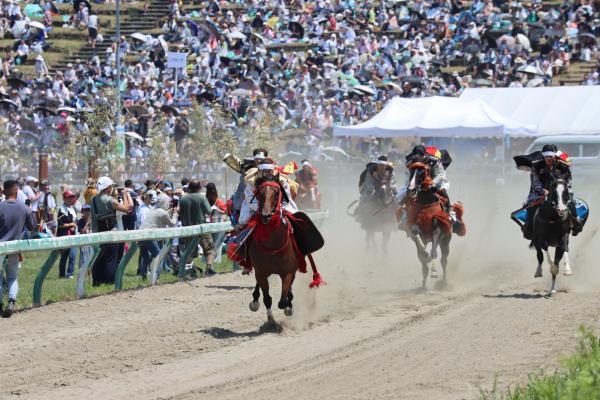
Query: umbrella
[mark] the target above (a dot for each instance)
(209, 28)
(136, 110)
(471, 48)
(139, 36)
(206, 96)
(33, 10)
(531, 69)
(336, 149)
(241, 92)
(524, 40)
(237, 35)
(46, 109)
(134, 135)
(69, 110)
(6, 104)
(394, 86)
(413, 80)
(482, 82)
(364, 89)
(296, 29)
(510, 41)
(35, 24)
(16, 82)
(168, 108)
(259, 36)
(52, 102)
(587, 37)
(554, 32)
(535, 82)
(76, 4)
(163, 43)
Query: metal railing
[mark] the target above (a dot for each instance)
(55, 244)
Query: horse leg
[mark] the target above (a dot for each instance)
(445, 248)
(386, 234)
(565, 248)
(540, 259)
(558, 255)
(434, 245)
(263, 282)
(284, 302)
(254, 304)
(415, 233)
(568, 271)
(553, 266)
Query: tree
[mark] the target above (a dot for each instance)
(158, 145)
(95, 144)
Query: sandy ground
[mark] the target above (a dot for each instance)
(367, 334)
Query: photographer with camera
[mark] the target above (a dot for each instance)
(105, 206)
(163, 215)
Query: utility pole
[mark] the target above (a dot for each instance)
(118, 53)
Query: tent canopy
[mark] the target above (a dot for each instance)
(436, 117)
(556, 110)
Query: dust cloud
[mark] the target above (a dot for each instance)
(493, 255)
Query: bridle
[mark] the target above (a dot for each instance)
(266, 219)
(553, 197)
(261, 197)
(414, 187)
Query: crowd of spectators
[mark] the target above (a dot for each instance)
(311, 64)
(104, 206)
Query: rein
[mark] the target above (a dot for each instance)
(277, 210)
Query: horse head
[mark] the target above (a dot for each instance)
(269, 200)
(420, 180)
(558, 197)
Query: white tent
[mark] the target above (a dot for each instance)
(556, 110)
(436, 117)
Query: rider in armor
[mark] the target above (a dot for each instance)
(246, 165)
(265, 171)
(306, 178)
(432, 158)
(377, 179)
(543, 172)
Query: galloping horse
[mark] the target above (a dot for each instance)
(373, 211)
(308, 197)
(551, 228)
(427, 221)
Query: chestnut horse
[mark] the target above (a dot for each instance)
(272, 250)
(427, 221)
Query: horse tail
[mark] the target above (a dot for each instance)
(317, 279)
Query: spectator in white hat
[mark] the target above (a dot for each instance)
(104, 218)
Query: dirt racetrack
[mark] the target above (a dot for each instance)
(368, 334)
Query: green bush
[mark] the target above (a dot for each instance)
(577, 378)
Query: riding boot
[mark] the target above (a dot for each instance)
(576, 225)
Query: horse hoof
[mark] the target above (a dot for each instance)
(288, 312)
(568, 271)
(553, 291)
(254, 306)
(434, 274)
(538, 273)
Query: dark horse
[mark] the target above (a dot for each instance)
(271, 250)
(551, 228)
(427, 221)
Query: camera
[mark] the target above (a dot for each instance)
(175, 202)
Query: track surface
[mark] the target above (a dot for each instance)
(368, 334)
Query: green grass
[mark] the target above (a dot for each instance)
(56, 290)
(578, 377)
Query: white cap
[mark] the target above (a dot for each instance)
(30, 179)
(103, 183)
